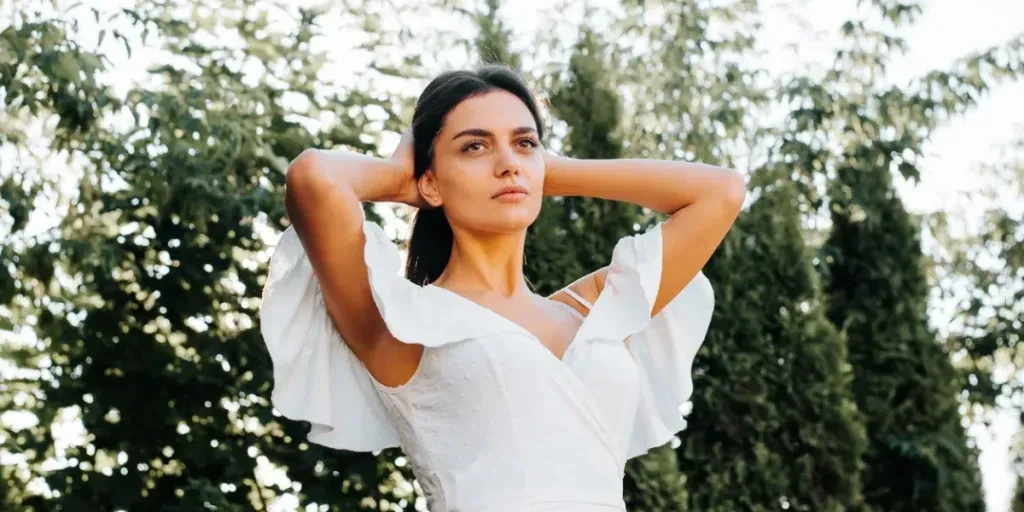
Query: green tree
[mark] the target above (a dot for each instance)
(980, 267)
(860, 131)
(42, 73)
(493, 40)
(143, 298)
(653, 482)
(774, 423)
(905, 385)
(699, 93)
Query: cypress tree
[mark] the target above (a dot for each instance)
(774, 424)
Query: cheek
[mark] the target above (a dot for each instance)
(462, 184)
(465, 182)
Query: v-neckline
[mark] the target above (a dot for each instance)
(519, 328)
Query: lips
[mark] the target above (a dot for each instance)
(511, 189)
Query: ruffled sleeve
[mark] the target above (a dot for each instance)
(664, 353)
(317, 377)
(663, 347)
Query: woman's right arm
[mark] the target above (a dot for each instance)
(324, 192)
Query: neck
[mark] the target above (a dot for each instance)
(482, 263)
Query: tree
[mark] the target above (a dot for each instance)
(860, 132)
(653, 482)
(919, 458)
(143, 298)
(774, 422)
(699, 95)
(493, 41)
(980, 267)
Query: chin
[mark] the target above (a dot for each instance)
(509, 220)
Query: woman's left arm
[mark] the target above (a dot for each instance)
(703, 201)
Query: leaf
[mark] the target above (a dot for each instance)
(66, 67)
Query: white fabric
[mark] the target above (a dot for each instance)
(492, 420)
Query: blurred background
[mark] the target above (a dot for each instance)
(864, 350)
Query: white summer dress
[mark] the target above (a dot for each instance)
(492, 420)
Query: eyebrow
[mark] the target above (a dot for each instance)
(479, 132)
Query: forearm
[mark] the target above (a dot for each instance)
(368, 178)
(661, 185)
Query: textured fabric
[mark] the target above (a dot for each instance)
(492, 420)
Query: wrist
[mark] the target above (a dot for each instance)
(376, 180)
(395, 188)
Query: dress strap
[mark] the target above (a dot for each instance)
(579, 299)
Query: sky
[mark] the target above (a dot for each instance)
(947, 30)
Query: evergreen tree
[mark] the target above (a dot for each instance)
(143, 298)
(653, 482)
(861, 131)
(774, 424)
(905, 385)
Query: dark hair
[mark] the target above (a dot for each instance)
(430, 244)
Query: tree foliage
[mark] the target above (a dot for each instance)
(129, 309)
(773, 411)
(144, 296)
(863, 132)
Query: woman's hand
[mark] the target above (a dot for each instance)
(404, 160)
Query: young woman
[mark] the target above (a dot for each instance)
(502, 399)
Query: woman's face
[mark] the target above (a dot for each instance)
(488, 170)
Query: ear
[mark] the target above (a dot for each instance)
(427, 185)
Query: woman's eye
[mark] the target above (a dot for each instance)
(476, 144)
(529, 143)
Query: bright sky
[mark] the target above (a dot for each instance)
(947, 30)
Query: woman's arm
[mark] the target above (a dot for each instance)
(703, 201)
(324, 192)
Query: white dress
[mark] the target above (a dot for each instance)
(492, 420)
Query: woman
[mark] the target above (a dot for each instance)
(502, 399)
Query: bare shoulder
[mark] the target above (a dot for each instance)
(587, 287)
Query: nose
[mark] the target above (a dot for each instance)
(508, 163)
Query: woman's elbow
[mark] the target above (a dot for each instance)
(733, 189)
(303, 170)
(302, 182)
